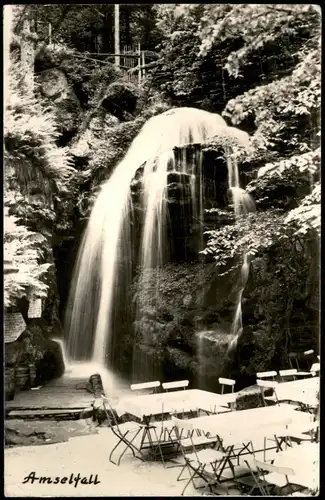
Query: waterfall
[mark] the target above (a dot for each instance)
(64, 354)
(105, 261)
(243, 203)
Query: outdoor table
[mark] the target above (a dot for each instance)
(148, 406)
(304, 460)
(242, 427)
(299, 391)
(245, 425)
(189, 400)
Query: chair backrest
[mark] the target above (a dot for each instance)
(293, 359)
(186, 425)
(267, 467)
(288, 373)
(108, 403)
(183, 423)
(145, 385)
(315, 368)
(226, 381)
(266, 374)
(268, 384)
(178, 384)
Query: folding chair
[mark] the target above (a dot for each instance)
(297, 433)
(293, 372)
(206, 463)
(126, 433)
(309, 355)
(229, 400)
(179, 384)
(288, 373)
(270, 477)
(226, 382)
(268, 384)
(293, 360)
(270, 374)
(163, 430)
(315, 369)
(145, 386)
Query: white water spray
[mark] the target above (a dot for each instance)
(105, 258)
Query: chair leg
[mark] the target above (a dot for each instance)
(130, 445)
(188, 482)
(180, 474)
(116, 446)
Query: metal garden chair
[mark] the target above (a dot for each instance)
(262, 375)
(226, 382)
(293, 373)
(179, 384)
(309, 355)
(268, 384)
(230, 398)
(126, 433)
(205, 463)
(144, 386)
(315, 369)
(269, 477)
(293, 360)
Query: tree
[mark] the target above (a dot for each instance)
(282, 113)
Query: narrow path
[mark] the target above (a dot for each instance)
(65, 395)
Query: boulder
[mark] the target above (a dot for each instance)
(54, 84)
(33, 347)
(55, 87)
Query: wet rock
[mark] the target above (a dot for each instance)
(99, 412)
(125, 94)
(96, 385)
(187, 300)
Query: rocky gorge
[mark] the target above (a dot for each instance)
(187, 332)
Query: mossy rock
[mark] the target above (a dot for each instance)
(251, 397)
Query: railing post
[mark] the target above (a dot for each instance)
(139, 64)
(117, 34)
(143, 65)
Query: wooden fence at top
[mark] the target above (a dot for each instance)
(132, 61)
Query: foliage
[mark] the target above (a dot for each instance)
(29, 138)
(206, 48)
(306, 218)
(24, 249)
(90, 27)
(285, 112)
(284, 183)
(255, 25)
(252, 233)
(110, 148)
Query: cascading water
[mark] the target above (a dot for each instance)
(106, 260)
(243, 204)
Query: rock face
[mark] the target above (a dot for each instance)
(55, 87)
(33, 347)
(188, 330)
